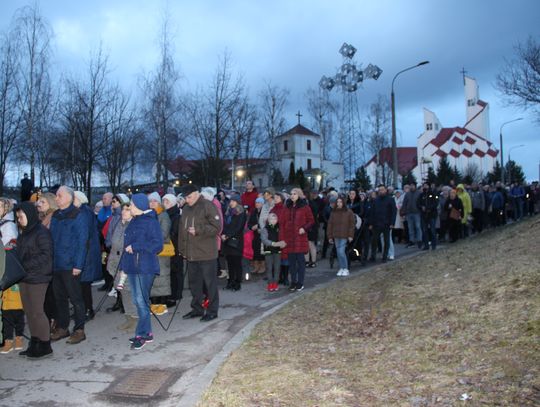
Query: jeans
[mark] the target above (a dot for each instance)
(341, 246)
(415, 228)
(517, 204)
(429, 232)
(297, 268)
(273, 266)
(141, 284)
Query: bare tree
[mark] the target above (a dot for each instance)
(34, 35)
(322, 110)
(120, 140)
(274, 100)
(519, 80)
(378, 128)
(162, 106)
(248, 141)
(211, 115)
(87, 119)
(10, 118)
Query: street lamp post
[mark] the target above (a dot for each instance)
(394, 141)
(510, 150)
(501, 144)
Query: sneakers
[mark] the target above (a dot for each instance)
(299, 287)
(138, 343)
(223, 274)
(339, 273)
(345, 273)
(19, 345)
(158, 309)
(113, 292)
(272, 287)
(8, 347)
(76, 337)
(148, 338)
(292, 287)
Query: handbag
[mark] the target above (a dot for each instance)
(233, 242)
(14, 271)
(455, 214)
(168, 250)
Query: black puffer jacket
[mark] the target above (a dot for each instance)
(35, 247)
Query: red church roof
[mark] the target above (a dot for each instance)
(407, 158)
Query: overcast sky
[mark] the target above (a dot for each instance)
(292, 43)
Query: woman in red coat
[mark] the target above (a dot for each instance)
(295, 221)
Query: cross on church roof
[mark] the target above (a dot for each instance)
(463, 72)
(299, 115)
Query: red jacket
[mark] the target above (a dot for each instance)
(248, 199)
(292, 219)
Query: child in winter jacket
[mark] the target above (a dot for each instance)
(272, 251)
(12, 319)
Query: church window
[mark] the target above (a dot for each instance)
(471, 102)
(308, 145)
(309, 163)
(285, 145)
(429, 126)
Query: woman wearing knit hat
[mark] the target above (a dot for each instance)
(142, 242)
(161, 289)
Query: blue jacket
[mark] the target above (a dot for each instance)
(69, 236)
(92, 266)
(144, 235)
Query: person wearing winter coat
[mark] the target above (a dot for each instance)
(161, 288)
(233, 241)
(124, 290)
(496, 206)
(455, 212)
(177, 264)
(92, 267)
(465, 198)
(427, 203)
(35, 251)
(381, 219)
(249, 196)
(253, 224)
(296, 221)
(197, 243)
(8, 228)
(70, 236)
(279, 204)
(478, 207)
(143, 240)
(272, 251)
(410, 211)
(341, 228)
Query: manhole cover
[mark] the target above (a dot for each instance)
(142, 383)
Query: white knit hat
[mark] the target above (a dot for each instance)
(154, 196)
(81, 197)
(208, 193)
(170, 197)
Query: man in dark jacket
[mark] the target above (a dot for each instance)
(69, 237)
(382, 218)
(427, 204)
(197, 243)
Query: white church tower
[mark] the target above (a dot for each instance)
(477, 111)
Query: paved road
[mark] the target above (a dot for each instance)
(189, 354)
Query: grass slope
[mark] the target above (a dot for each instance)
(419, 332)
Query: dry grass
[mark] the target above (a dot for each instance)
(418, 332)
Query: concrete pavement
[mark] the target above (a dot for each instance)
(184, 359)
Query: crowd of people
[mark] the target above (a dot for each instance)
(139, 246)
